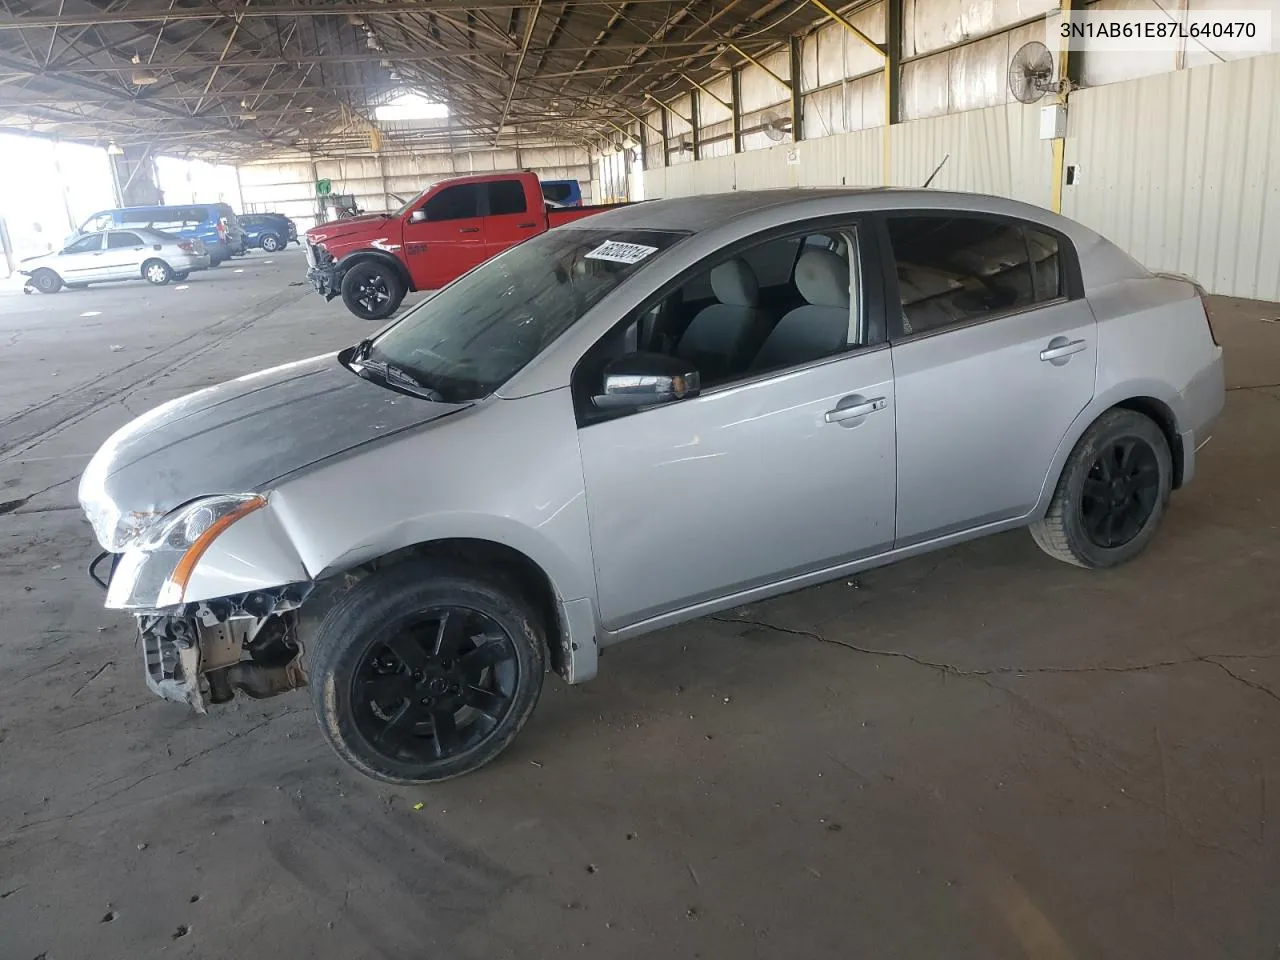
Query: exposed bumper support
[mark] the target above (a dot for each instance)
(322, 271)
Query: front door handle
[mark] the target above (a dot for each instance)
(852, 412)
(525, 226)
(1060, 348)
(468, 229)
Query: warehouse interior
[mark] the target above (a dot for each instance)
(973, 753)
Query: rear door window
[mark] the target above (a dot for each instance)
(506, 197)
(955, 270)
(118, 241)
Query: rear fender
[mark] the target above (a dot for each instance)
(1116, 395)
(381, 256)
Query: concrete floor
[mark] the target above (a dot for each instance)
(982, 753)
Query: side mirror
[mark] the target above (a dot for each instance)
(418, 216)
(645, 380)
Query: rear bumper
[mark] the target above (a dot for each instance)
(1202, 404)
(190, 262)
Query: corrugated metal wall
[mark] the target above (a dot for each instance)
(288, 187)
(1181, 169)
(996, 150)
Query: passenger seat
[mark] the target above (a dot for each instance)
(821, 327)
(722, 337)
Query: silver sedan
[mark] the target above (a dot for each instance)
(136, 254)
(634, 420)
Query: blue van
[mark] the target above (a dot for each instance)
(215, 224)
(563, 193)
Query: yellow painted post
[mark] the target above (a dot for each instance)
(888, 117)
(1060, 143)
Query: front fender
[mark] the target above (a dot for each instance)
(381, 256)
(254, 553)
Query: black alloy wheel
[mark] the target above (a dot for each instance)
(1120, 492)
(372, 293)
(437, 688)
(1111, 494)
(371, 290)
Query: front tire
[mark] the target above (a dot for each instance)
(271, 243)
(425, 671)
(157, 272)
(1112, 493)
(46, 281)
(371, 290)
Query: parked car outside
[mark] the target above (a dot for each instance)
(140, 254)
(724, 398)
(268, 231)
(213, 224)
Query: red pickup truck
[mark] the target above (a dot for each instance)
(372, 261)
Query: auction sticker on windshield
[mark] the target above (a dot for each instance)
(618, 252)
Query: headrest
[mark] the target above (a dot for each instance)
(822, 276)
(735, 283)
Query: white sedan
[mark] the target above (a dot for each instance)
(116, 255)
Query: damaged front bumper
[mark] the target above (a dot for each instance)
(204, 652)
(201, 653)
(322, 272)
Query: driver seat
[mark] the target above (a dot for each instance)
(720, 340)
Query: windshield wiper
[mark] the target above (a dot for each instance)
(394, 375)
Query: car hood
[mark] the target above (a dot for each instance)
(346, 227)
(239, 437)
(40, 256)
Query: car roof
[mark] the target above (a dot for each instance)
(699, 214)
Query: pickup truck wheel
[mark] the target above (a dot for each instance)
(1112, 493)
(371, 290)
(425, 671)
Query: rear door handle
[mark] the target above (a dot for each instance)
(468, 229)
(1060, 347)
(841, 414)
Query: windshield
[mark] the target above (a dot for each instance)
(475, 334)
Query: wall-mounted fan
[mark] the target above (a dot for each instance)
(1031, 72)
(776, 126)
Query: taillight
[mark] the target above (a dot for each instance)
(222, 229)
(186, 246)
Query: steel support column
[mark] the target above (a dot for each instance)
(797, 95)
(735, 86)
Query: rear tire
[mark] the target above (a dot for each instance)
(157, 272)
(425, 671)
(1112, 494)
(46, 281)
(270, 243)
(372, 290)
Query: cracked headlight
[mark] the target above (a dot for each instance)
(155, 570)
